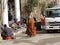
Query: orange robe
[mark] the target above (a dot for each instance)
(31, 28)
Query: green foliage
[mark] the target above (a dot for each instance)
(29, 7)
(35, 3)
(44, 6)
(50, 5)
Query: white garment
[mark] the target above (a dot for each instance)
(31, 16)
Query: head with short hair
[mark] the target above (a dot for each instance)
(5, 25)
(30, 16)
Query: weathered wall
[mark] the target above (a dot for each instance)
(0, 8)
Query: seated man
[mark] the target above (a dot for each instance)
(7, 32)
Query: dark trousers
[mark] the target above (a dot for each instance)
(3, 36)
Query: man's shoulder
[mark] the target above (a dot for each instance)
(8, 28)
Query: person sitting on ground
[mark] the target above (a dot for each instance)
(7, 32)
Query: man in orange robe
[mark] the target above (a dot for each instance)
(30, 27)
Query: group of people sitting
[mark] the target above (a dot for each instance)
(7, 32)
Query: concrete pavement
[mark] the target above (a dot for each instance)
(51, 39)
(40, 39)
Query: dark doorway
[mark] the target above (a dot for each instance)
(11, 9)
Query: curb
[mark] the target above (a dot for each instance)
(20, 31)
